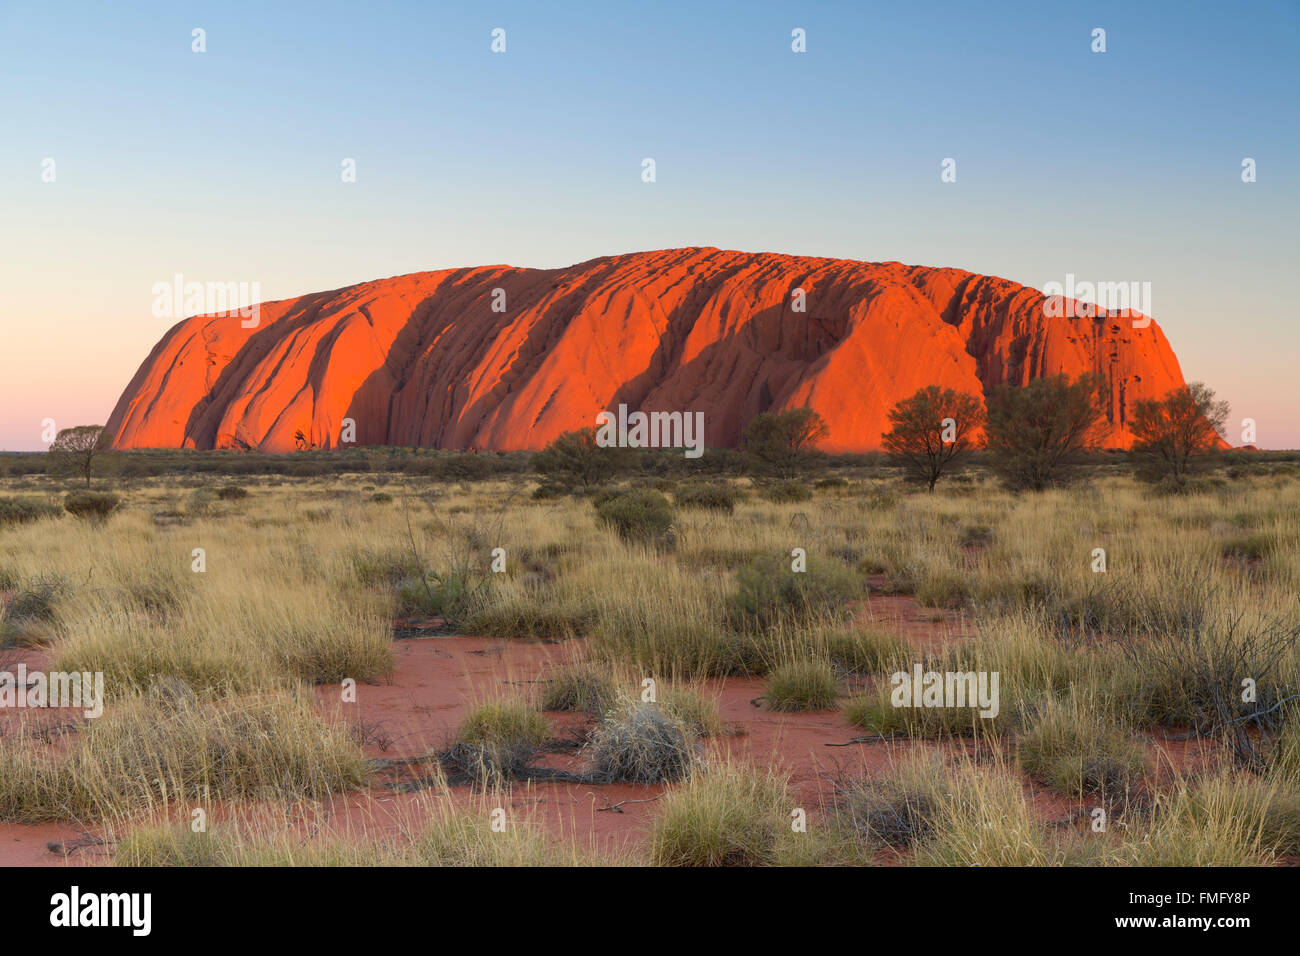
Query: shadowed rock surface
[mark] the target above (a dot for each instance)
(423, 360)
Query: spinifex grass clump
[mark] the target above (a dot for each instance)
(497, 740)
(984, 819)
(641, 743)
(1076, 748)
(723, 816)
(801, 685)
(582, 687)
(773, 589)
(148, 752)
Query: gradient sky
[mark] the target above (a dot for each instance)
(225, 166)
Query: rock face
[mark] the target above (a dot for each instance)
(501, 358)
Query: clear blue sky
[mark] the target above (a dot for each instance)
(225, 165)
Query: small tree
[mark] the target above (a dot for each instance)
(1034, 432)
(783, 443)
(932, 430)
(575, 459)
(1169, 431)
(74, 450)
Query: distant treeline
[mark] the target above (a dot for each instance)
(475, 466)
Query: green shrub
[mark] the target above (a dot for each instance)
(710, 497)
(232, 493)
(381, 498)
(786, 492)
(26, 510)
(549, 490)
(639, 516)
(94, 506)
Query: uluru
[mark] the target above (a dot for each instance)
(500, 358)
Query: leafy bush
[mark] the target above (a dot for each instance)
(786, 492)
(94, 506)
(643, 516)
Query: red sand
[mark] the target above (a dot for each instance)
(436, 679)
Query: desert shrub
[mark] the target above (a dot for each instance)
(1076, 749)
(710, 497)
(498, 739)
(93, 506)
(581, 687)
(896, 809)
(826, 484)
(549, 491)
(200, 502)
(454, 595)
(381, 498)
(769, 590)
(786, 492)
(574, 459)
(232, 493)
(727, 816)
(639, 516)
(802, 685)
(1193, 678)
(25, 510)
(641, 743)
